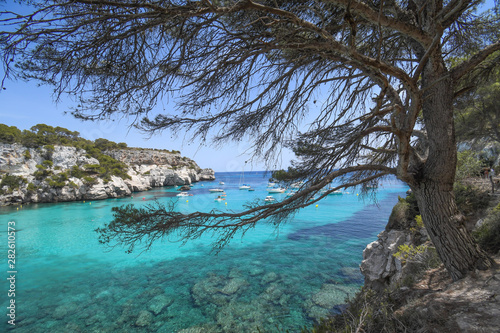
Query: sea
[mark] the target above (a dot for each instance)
(57, 277)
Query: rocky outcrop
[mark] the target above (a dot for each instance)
(380, 267)
(46, 174)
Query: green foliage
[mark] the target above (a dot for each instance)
(488, 234)
(419, 221)
(410, 252)
(89, 180)
(477, 113)
(12, 182)
(58, 180)
(42, 172)
(9, 134)
(288, 175)
(468, 165)
(403, 213)
(76, 172)
(470, 199)
(48, 163)
(27, 154)
(31, 188)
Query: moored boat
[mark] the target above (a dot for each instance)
(276, 190)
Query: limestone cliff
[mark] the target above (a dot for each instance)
(62, 173)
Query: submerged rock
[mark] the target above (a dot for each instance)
(145, 318)
(269, 277)
(158, 303)
(233, 286)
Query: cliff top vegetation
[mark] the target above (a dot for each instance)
(42, 135)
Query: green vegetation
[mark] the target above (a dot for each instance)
(468, 165)
(368, 311)
(288, 175)
(58, 180)
(470, 199)
(9, 134)
(32, 187)
(26, 154)
(11, 182)
(488, 234)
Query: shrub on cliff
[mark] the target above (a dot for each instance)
(11, 182)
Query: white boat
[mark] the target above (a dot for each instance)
(216, 190)
(221, 183)
(271, 184)
(184, 194)
(243, 186)
(269, 198)
(335, 192)
(297, 185)
(276, 190)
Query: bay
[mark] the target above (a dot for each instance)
(269, 280)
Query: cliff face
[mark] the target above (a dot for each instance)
(61, 173)
(381, 266)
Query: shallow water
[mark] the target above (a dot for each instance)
(268, 281)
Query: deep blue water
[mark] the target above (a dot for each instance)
(269, 280)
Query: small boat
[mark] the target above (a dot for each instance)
(245, 187)
(335, 192)
(269, 198)
(271, 184)
(219, 198)
(221, 183)
(297, 185)
(216, 190)
(276, 190)
(184, 194)
(251, 189)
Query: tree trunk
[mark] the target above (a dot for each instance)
(433, 181)
(454, 244)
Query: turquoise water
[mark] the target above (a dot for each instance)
(269, 280)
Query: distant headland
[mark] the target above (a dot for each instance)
(53, 164)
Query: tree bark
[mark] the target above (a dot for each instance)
(433, 181)
(454, 244)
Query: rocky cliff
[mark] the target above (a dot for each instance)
(62, 173)
(387, 262)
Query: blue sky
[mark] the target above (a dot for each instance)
(24, 104)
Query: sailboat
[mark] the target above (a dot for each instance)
(242, 180)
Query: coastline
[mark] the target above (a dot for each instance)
(64, 173)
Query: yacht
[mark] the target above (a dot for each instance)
(276, 190)
(269, 198)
